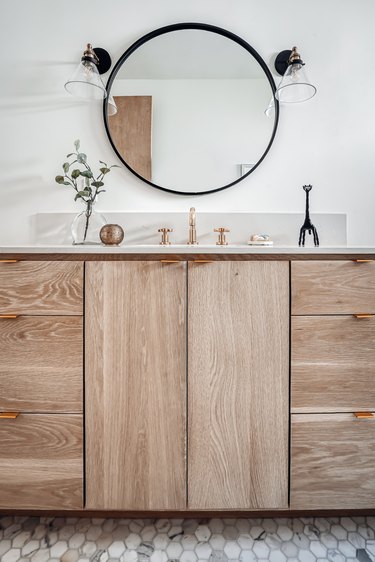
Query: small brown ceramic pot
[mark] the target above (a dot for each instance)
(111, 234)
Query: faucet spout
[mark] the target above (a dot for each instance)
(192, 231)
(192, 216)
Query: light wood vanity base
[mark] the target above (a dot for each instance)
(136, 385)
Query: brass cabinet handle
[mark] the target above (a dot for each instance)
(364, 415)
(203, 261)
(9, 261)
(170, 261)
(363, 261)
(359, 316)
(8, 316)
(9, 415)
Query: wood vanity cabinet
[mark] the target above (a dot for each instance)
(41, 382)
(332, 384)
(237, 385)
(195, 373)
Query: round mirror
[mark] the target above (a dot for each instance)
(186, 108)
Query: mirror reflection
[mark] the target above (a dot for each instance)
(190, 111)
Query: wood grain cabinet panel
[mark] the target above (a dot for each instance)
(41, 462)
(333, 460)
(41, 288)
(333, 287)
(238, 333)
(41, 367)
(333, 364)
(135, 385)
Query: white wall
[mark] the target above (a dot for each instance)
(329, 141)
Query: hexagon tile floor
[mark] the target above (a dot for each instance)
(55, 539)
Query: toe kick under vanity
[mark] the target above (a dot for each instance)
(190, 382)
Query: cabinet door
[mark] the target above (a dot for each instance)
(333, 460)
(135, 385)
(333, 364)
(41, 288)
(238, 385)
(333, 287)
(41, 367)
(41, 462)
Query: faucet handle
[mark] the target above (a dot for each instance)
(221, 241)
(165, 236)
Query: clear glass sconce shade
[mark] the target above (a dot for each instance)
(111, 107)
(294, 86)
(270, 110)
(86, 82)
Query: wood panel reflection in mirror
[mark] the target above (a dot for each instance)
(206, 90)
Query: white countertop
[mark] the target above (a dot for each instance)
(183, 249)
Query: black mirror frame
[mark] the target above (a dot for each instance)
(203, 27)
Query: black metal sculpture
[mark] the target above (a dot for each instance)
(308, 225)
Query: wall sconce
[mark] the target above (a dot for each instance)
(111, 107)
(86, 82)
(294, 86)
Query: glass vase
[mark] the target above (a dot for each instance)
(87, 224)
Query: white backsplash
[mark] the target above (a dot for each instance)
(142, 227)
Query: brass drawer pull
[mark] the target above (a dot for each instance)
(359, 316)
(9, 415)
(203, 261)
(363, 261)
(170, 261)
(8, 316)
(9, 261)
(364, 415)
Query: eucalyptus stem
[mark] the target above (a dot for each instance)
(88, 215)
(75, 167)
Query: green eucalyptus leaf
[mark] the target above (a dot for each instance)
(77, 144)
(76, 173)
(97, 183)
(59, 179)
(104, 170)
(84, 193)
(66, 183)
(71, 154)
(66, 167)
(101, 191)
(115, 166)
(81, 158)
(86, 174)
(101, 161)
(77, 197)
(87, 182)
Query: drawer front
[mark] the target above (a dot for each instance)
(333, 287)
(41, 462)
(332, 462)
(32, 287)
(41, 367)
(333, 364)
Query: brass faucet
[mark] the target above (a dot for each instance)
(165, 236)
(221, 241)
(192, 230)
